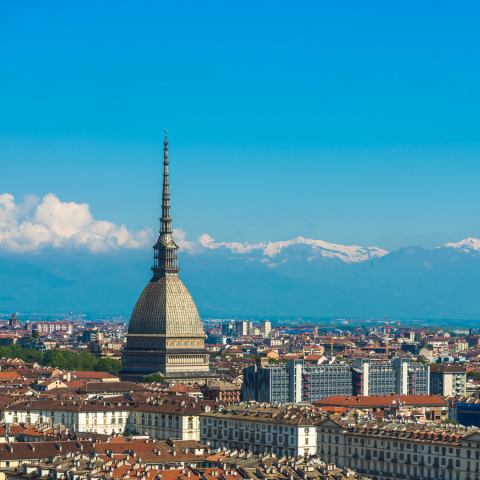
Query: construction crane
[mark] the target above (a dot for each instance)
(387, 323)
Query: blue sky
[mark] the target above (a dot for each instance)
(349, 122)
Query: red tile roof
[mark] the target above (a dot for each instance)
(380, 400)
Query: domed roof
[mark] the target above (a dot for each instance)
(165, 307)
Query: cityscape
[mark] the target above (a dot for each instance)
(130, 351)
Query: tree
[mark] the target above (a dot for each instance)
(153, 378)
(36, 335)
(108, 365)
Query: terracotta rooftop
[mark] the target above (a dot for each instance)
(380, 400)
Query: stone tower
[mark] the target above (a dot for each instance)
(165, 334)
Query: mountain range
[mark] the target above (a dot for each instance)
(299, 278)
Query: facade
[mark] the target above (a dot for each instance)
(300, 381)
(400, 376)
(448, 380)
(227, 393)
(228, 329)
(265, 327)
(165, 333)
(289, 430)
(173, 416)
(438, 345)
(217, 339)
(92, 336)
(295, 382)
(7, 340)
(241, 327)
(51, 327)
(384, 450)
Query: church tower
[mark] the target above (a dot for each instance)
(165, 334)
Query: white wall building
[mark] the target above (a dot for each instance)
(168, 417)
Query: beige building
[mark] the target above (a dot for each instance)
(286, 430)
(448, 380)
(391, 451)
(265, 327)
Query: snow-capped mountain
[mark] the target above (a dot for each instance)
(295, 278)
(469, 245)
(348, 254)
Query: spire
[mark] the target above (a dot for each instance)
(165, 250)
(166, 220)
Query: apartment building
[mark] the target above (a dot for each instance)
(241, 327)
(391, 451)
(265, 328)
(299, 381)
(228, 329)
(295, 381)
(285, 430)
(399, 376)
(438, 345)
(448, 380)
(51, 327)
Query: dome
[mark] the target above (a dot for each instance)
(165, 307)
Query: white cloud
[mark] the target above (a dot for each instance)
(185, 245)
(48, 222)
